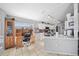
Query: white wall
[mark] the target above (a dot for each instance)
(2, 12)
(25, 20)
(2, 17)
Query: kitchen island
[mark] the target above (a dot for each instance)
(61, 44)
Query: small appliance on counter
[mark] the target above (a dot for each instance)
(52, 32)
(47, 31)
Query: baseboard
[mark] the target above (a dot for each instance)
(61, 53)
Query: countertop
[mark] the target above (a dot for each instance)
(59, 37)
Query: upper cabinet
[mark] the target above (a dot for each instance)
(69, 23)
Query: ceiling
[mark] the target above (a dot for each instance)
(38, 11)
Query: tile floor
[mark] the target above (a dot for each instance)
(36, 49)
(26, 51)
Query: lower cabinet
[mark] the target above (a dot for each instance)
(19, 41)
(9, 42)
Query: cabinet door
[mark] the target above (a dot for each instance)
(19, 41)
(7, 44)
(12, 41)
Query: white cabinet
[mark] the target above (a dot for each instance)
(69, 24)
(69, 32)
(41, 26)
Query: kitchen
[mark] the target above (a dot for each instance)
(51, 30)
